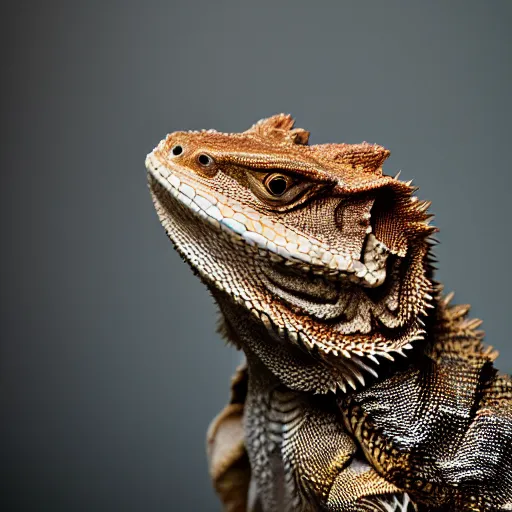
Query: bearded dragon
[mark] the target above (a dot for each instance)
(363, 388)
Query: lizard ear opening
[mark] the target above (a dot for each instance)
(397, 219)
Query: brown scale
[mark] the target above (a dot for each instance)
(429, 418)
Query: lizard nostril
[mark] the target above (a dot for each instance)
(177, 150)
(204, 159)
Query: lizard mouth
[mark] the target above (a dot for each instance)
(265, 238)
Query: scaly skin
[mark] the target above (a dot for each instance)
(363, 389)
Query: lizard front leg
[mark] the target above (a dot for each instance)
(303, 460)
(228, 461)
(329, 468)
(359, 487)
(321, 466)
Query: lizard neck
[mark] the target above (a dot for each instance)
(295, 367)
(290, 365)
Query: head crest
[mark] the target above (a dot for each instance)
(280, 128)
(364, 156)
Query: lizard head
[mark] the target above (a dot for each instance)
(313, 240)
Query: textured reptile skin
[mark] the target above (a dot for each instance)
(364, 389)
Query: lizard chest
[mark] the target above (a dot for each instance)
(296, 448)
(271, 418)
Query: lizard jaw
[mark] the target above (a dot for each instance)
(267, 238)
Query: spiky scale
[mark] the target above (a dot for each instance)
(307, 318)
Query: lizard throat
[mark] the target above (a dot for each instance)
(264, 238)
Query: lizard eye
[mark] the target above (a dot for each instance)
(277, 184)
(280, 189)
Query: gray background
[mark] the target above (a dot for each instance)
(110, 368)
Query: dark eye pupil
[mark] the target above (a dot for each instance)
(277, 186)
(177, 150)
(204, 159)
